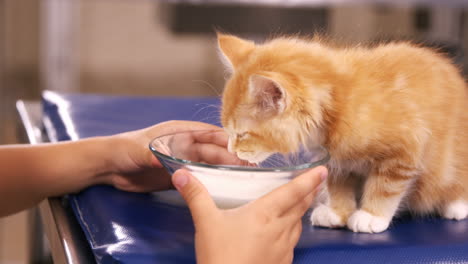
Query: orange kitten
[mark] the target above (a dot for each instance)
(393, 118)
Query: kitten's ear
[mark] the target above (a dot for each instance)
(233, 49)
(269, 97)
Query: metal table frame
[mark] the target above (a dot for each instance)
(67, 241)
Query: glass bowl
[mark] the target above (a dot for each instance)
(230, 181)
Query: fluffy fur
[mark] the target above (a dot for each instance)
(393, 118)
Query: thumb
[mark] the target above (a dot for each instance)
(194, 193)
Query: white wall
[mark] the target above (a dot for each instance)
(124, 49)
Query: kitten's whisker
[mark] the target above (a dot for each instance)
(217, 92)
(207, 106)
(210, 117)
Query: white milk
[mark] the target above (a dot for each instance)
(230, 188)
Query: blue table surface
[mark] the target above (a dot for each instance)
(135, 228)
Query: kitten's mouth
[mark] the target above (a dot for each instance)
(253, 157)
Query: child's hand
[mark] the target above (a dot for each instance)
(263, 231)
(132, 166)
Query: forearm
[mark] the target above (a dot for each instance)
(29, 174)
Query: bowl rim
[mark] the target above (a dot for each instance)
(184, 162)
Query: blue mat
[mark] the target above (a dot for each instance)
(134, 228)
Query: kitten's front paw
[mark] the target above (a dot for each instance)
(456, 210)
(362, 221)
(326, 217)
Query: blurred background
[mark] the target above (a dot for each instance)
(151, 48)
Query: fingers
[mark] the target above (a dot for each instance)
(287, 196)
(292, 236)
(295, 233)
(197, 145)
(195, 125)
(143, 181)
(218, 137)
(196, 196)
(174, 126)
(203, 146)
(298, 210)
(214, 154)
(288, 258)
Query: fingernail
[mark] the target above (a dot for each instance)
(324, 175)
(180, 180)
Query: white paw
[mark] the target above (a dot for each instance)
(326, 217)
(362, 221)
(457, 210)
